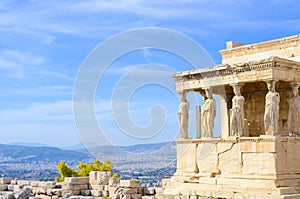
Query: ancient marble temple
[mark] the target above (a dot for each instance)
(258, 152)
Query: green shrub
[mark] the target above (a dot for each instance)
(83, 169)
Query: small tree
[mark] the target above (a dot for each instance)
(65, 171)
(84, 169)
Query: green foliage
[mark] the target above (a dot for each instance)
(83, 169)
(116, 175)
(65, 171)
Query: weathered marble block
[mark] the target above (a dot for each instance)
(130, 183)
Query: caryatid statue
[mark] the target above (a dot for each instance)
(183, 116)
(294, 111)
(208, 114)
(237, 114)
(271, 109)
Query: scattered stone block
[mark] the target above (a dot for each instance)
(135, 196)
(105, 193)
(23, 183)
(44, 197)
(130, 183)
(14, 181)
(165, 182)
(10, 187)
(96, 193)
(86, 192)
(39, 190)
(99, 177)
(72, 186)
(3, 187)
(113, 182)
(148, 197)
(5, 180)
(66, 194)
(56, 192)
(49, 184)
(74, 197)
(58, 185)
(126, 191)
(77, 180)
(8, 196)
(114, 196)
(24, 193)
(17, 188)
(96, 187)
(159, 190)
(149, 190)
(112, 190)
(49, 192)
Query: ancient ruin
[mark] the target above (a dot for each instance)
(257, 154)
(97, 185)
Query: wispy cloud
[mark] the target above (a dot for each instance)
(107, 17)
(13, 63)
(39, 113)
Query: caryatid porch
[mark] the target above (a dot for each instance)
(257, 154)
(243, 91)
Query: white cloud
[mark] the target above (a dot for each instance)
(13, 63)
(100, 19)
(38, 113)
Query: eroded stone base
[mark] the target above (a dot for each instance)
(260, 167)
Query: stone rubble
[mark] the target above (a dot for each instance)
(98, 185)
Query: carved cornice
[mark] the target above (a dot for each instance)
(225, 70)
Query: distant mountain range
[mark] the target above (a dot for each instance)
(33, 144)
(22, 151)
(138, 148)
(24, 154)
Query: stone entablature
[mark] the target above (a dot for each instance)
(269, 68)
(287, 47)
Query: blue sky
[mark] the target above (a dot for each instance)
(44, 43)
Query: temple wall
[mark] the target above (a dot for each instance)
(254, 113)
(288, 157)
